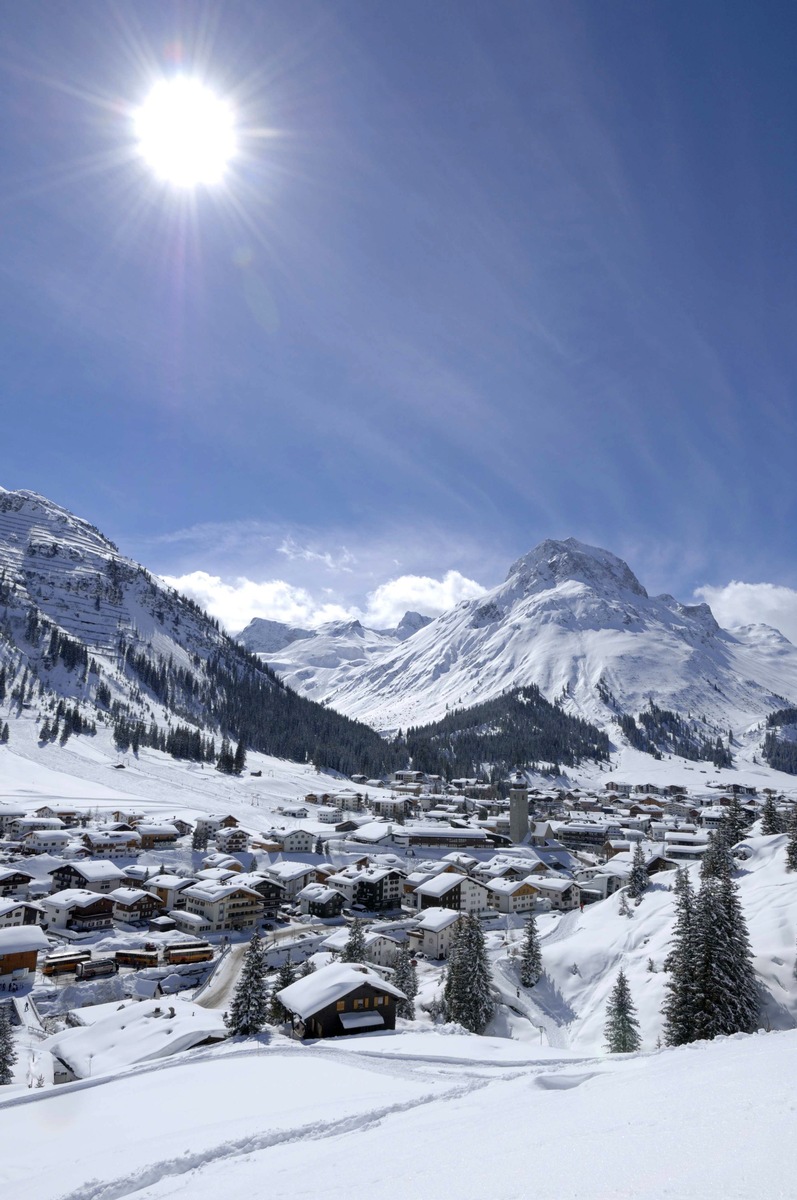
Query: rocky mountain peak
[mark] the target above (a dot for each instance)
(554, 562)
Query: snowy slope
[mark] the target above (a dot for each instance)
(702, 1122)
(575, 620)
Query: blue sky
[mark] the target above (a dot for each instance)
(484, 273)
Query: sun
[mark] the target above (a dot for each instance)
(185, 133)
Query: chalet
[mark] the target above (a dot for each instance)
(212, 822)
(270, 892)
(21, 826)
(563, 894)
(7, 816)
(102, 877)
(64, 812)
(223, 906)
(168, 889)
(320, 901)
(513, 895)
(77, 909)
(340, 999)
(19, 912)
(154, 836)
(433, 932)
(20, 947)
(14, 882)
(452, 890)
(380, 948)
(297, 841)
(106, 842)
(292, 876)
(134, 906)
(46, 841)
(232, 840)
(684, 846)
(392, 808)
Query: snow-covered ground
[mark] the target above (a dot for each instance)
(326, 1121)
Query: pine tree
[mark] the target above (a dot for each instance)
(717, 862)
(277, 1013)
(622, 1026)
(791, 845)
(308, 967)
(239, 759)
(406, 980)
(5, 733)
(8, 1055)
(249, 1008)
(638, 881)
(623, 909)
(531, 958)
(736, 821)
(467, 995)
(679, 1001)
(725, 990)
(318, 848)
(770, 818)
(199, 838)
(354, 950)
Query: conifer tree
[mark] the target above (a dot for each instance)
(354, 950)
(199, 838)
(286, 975)
(467, 995)
(679, 1000)
(308, 967)
(735, 821)
(5, 733)
(791, 845)
(770, 818)
(406, 980)
(239, 759)
(8, 1055)
(531, 957)
(622, 1027)
(249, 1008)
(725, 991)
(717, 862)
(638, 881)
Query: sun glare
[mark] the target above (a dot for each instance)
(185, 133)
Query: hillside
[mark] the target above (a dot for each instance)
(88, 636)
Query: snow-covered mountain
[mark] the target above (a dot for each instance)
(83, 624)
(315, 660)
(575, 620)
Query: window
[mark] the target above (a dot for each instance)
(359, 1004)
(340, 1006)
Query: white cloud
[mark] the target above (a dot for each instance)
(753, 603)
(236, 602)
(387, 604)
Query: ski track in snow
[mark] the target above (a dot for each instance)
(134, 1182)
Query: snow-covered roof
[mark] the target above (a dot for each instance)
(125, 895)
(22, 939)
(437, 919)
(508, 887)
(96, 872)
(213, 892)
(72, 898)
(440, 885)
(330, 984)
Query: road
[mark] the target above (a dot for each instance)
(218, 993)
